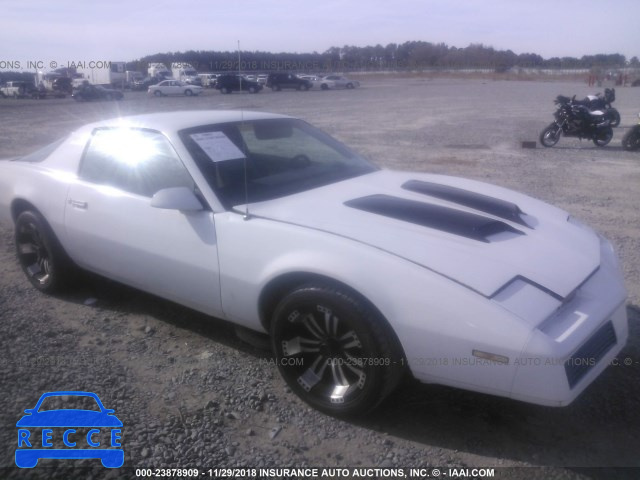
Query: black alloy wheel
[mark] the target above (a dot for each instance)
(334, 351)
(40, 255)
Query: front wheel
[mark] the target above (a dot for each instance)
(157, 93)
(550, 135)
(41, 257)
(603, 136)
(613, 116)
(334, 351)
(631, 139)
(188, 93)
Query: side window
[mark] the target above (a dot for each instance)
(134, 160)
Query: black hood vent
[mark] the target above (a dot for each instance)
(446, 219)
(493, 206)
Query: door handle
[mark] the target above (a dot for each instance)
(78, 204)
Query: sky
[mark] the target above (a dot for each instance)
(61, 31)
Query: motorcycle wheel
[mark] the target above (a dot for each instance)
(631, 139)
(613, 116)
(550, 135)
(603, 136)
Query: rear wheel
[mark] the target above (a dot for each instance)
(603, 136)
(157, 93)
(334, 351)
(550, 135)
(188, 93)
(631, 139)
(41, 257)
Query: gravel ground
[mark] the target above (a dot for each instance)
(190, 394)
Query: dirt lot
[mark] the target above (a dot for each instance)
(192, 395)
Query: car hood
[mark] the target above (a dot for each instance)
(479, 235)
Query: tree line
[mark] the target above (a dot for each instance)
(406, 56)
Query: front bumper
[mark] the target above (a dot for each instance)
(571, 348)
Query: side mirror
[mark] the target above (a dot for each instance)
(176, 198)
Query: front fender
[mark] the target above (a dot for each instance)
(438, 322)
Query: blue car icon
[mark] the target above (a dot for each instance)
(88, 431)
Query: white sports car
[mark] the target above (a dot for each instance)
(357, 274)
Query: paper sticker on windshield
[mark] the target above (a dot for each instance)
(217, 146)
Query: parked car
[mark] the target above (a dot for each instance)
(280, 80)
(262, 78)
(143, 84)
(16, 89)
(267, 222)
(88, 92)
(319, 82)
(174, 87)
(234, 83)
(338, 81)
(208, 79)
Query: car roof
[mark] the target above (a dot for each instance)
(174, 121)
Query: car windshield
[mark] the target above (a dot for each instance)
(272, 157)
(68, 402)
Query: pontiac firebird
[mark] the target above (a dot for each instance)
(358, 274)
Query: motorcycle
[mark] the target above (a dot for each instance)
(603, 103)
(631, 139)
(576, 120)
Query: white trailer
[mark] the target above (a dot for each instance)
(185, 73)
(110, 74)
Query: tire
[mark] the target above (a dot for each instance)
(631, 139)
(40, 255)
(349, 86)
(157, 93)
(316, 323)
(603, 136)
(276, 88)
(109, 97)
(188, 93)
(253, 90)
(613, 116)
(324, 86)
(550, 135)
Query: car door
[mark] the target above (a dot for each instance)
(174, 88)
(113, 230)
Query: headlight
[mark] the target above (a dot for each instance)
(525, 300)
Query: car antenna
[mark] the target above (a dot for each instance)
(244, 146)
